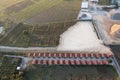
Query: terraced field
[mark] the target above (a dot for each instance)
(37, 11)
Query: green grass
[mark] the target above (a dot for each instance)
(37, 72)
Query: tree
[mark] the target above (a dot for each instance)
(25, 32)
(110, 60)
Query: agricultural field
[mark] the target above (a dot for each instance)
(104, 2)
(39, 11)
(43, 35)
(38, 72)
(43, 23)
(1, 57)
(8, 67)
(7, 3)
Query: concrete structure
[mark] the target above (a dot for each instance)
(1, 29)
(18, 68)
(84, 16)
(84, 5)
(118, 4)
(94, 1)
(115, 16)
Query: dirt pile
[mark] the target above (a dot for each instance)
(115, 31)
(114, 28)
(110, 28)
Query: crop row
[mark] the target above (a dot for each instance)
(9, 65)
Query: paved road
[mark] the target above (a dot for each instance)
(23, 50)
(116, 50)
(24, 60)
(100, 32)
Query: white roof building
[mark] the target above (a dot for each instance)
(84, 16)
(118, 3)
(94, 0)
(84, 5)
(1, 29)
(18, 68)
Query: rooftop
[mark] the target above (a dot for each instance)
(1, 29)
(84, 4)
(115, 16)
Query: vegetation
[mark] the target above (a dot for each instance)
(110, 60)
(37, 72)
(7, 3)
(1, 57)
(104, 2)
(13, 53)
(46, 22)
(36, 11)
(8, 69)
(24, 35)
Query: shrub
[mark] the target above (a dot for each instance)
(110, 60)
